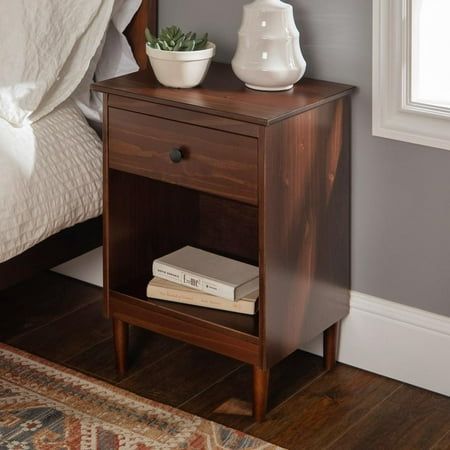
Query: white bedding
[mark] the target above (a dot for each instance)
(113, 58)
(50, 178)
(46, 48)
(50, 159)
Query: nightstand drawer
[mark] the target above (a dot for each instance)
(188, 155)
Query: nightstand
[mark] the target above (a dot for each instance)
(260, 177)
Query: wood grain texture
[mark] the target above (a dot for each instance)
(136, 239)
(184, 217)
(411, 419)
(198, 326)
(260, 392)
(286, 378)
(145, 348)
(146, 16)
(442, 443)
(229, 228)
(222, 94)
(106, 211)
(40, 301)
(120, 334)
(143, 226)
(315, 416)
(231, 324)
(304, 227)
(185, 116)
(179, 376)
(64, 338)
(330, 346)
(213, 161)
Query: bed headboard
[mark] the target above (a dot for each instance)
(146, 16)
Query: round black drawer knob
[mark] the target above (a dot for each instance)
(176, 155)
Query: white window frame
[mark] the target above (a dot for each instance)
(394, 115)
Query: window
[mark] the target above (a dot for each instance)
(430, 53)
(411, 71)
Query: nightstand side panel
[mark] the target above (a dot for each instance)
(106, 256)
(305, 226)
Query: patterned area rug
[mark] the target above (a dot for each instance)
(44, 406)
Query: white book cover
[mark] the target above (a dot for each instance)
(208, 272)
(161, 289)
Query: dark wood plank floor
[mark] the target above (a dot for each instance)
(60, 319)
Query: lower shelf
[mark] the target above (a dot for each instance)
(231, 334)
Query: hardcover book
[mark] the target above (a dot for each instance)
(161, 289)
(208, 272)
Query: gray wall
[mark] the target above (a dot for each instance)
(401, 192)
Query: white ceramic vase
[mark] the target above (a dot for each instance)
(268, 56)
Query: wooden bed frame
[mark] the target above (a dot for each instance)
(85, 236)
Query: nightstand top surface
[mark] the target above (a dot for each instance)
(223, 94)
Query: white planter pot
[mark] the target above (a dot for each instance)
(268, 56)
(181, 69)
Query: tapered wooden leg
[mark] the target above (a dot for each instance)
(120, 330)
(330, 337)
(260, 392)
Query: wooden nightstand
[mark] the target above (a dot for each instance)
(260, 177)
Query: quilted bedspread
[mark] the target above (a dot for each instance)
(50, 178)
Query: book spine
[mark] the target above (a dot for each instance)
(247, 288)
(193, 281)
(200, 299)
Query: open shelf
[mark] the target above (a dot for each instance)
(223, 321)
(232, 334)
(184, 217)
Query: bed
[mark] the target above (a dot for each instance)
(21, 260)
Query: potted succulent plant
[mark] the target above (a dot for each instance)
(179, 60)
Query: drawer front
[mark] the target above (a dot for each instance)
(212, 161)
(184, 115)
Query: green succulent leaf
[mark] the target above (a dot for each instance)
(179, 45)
(165, 46)
(173, 39)
(178, 35)
(201, 43)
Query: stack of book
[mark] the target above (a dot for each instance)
(196, 277)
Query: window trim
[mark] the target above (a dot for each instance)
(394, 115)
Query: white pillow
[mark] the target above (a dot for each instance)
(46, 48)
(114, 58)
(123, 12)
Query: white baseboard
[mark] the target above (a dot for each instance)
(394, 340)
